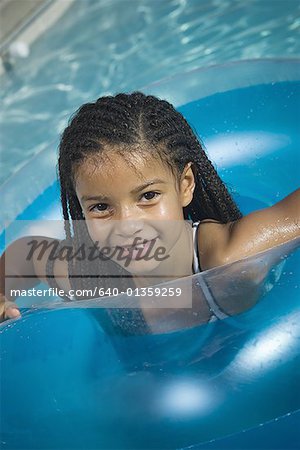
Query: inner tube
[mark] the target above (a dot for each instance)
(69, 379)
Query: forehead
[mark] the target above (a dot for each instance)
(116, 168)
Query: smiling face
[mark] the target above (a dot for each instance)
(123, 202)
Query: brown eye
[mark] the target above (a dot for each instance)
(100, 207)
(150, 195)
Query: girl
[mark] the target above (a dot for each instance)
(131, 167)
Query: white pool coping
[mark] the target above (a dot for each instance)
(31, 28)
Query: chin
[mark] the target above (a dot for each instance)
(142, 268)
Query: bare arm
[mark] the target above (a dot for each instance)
(252, 234)
(263, 229)
(22, 267)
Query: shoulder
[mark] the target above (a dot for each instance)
(212, 241)
(258, 231)
(265, 228)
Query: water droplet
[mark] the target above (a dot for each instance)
(265, 33)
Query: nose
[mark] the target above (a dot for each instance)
(128, 226)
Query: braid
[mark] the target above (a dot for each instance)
(131, 123)
(211, 197)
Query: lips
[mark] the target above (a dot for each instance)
(140, 244)
(137, 251)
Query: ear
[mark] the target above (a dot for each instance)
(187, 185)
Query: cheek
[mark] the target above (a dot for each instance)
(169, 230)
(170, 209)
(97, 232)
(169, 219)
(165, 213)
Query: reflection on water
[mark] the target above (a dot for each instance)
(121, 45)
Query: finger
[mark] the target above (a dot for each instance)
(12, 313)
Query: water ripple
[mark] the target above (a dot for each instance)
(104, 47)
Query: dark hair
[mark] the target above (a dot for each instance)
(127, 122)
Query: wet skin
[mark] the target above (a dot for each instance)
(124, 204)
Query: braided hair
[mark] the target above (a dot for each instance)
(130, 123)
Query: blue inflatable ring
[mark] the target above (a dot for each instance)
(69, 380)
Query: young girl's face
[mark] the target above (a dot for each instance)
(122, 203)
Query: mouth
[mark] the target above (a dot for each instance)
(136, 246)
(137, 250)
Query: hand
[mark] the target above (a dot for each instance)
(8, 309)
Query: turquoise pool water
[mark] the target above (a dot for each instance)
(135, 392)
(103, 47)
(253, 144)
(228, 384)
